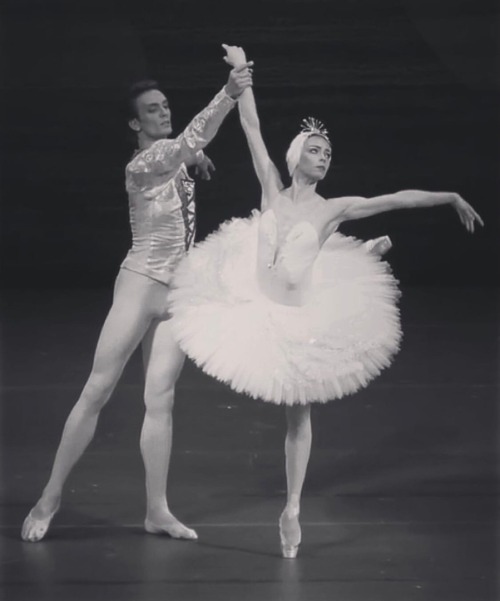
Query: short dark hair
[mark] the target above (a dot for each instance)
(135, 90)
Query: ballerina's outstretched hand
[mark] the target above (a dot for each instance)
(468, 216)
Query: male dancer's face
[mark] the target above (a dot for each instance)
(153, 121)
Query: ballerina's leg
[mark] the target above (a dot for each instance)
(297, 453)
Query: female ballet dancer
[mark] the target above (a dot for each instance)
(283, 308)
(162, 214)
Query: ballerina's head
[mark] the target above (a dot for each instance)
(310, 152)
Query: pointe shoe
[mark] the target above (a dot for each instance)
(290, 533)
(33, 529)
(176, 530)
(379, 246)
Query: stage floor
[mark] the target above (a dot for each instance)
(400, 502)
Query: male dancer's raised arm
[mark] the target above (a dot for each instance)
(164, 155)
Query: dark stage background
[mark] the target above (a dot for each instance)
(408, 88)
(401, 499)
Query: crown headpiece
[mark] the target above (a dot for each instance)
(314, 126)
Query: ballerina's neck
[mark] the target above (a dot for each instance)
(302, 188)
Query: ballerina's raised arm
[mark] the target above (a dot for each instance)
(265, 169)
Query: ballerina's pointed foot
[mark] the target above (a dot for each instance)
(290, 533)
(379, 246)
(35, 529)
(171, 526)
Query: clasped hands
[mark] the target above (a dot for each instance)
(240, 76)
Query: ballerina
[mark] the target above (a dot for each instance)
(285, 309)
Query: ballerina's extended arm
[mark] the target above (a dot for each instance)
(265, 169)
(357, 207)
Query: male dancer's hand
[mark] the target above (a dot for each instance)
(240, 76)
(205, 168)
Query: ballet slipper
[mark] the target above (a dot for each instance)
(34, 530)
(175, 529)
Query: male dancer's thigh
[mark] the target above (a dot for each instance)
(163, 361)
(131, 314)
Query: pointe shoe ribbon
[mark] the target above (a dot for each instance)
(290, 533)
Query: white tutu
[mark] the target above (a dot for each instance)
(341, 338)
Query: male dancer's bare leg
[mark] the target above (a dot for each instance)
(125, 325)
(163, 361)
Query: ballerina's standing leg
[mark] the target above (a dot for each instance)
(297, 452)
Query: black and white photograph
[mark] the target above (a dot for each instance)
(250, 307)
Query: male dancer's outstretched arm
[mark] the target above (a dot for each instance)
(166, 154)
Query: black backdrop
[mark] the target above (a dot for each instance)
(408, 88)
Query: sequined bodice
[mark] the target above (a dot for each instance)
(161, 195)
(162, 221)
(285, 262)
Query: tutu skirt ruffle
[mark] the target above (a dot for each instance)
(346, 332)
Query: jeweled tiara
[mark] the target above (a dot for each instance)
(314, 126)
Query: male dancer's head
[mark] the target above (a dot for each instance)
(149, 112)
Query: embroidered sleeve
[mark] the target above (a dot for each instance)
(166, 155)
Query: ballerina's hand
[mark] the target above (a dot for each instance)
(235, 55)
(466, 213)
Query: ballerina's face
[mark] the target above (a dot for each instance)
(153, 115)
(315, 157)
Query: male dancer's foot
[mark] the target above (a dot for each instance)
(37, 522)
(161, 521)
